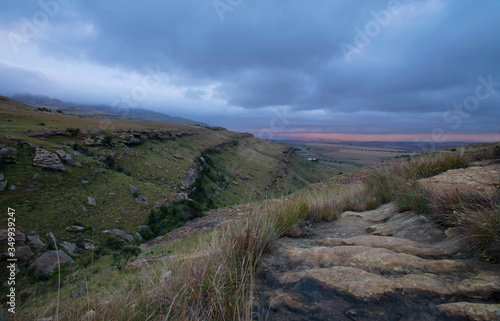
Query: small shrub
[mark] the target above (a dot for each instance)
(168, 218)
(113, 243)
(121, 258)
(146, 233)
(107, 141)
(72, 131)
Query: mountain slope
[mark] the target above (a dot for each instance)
(128, 168)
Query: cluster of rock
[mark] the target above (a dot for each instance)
(30, 249)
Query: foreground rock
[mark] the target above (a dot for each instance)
(47, 160)
(377, 265)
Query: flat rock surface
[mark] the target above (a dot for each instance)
(479, 178)
(376, 265)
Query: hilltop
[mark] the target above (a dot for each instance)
(102, 111)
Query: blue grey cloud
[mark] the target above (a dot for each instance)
(412, 60)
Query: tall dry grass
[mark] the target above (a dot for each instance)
(214, 279)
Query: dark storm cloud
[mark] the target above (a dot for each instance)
(418, 59)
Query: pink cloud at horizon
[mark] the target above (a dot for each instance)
(391, 137)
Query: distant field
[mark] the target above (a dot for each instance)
(347, 157)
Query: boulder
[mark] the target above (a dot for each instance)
(121, 234)
(3, 185)
(89, 246)
(47, 160)
(141, 199)
(1, 177)
(47, 262)
(134, 190)
(22, 253)
(8, 155)
(75, 229)
(66, 158)
(19, 237)
(91, 201)
(37, 244)
(68, 247)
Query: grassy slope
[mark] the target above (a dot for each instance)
(216, 283)
(57, 200)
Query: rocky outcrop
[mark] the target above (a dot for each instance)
(218, 147)
(193, 173)
(47, 160)
(48, 133)
(377, 265)
(475, 178)
(47, 263)
(85, 133)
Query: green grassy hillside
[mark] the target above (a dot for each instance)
(166, 162)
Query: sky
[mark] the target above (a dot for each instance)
(426, 70)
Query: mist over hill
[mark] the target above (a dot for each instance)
(106, 110)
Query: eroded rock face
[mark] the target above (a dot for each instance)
(47, 160)
(193, 173)
(377, 265)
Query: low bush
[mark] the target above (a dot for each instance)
(168, 218)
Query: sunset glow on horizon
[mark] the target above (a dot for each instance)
(391, 137)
